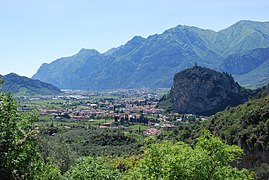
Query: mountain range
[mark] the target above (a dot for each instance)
(241, 50)
(22, 86)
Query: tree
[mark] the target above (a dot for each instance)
(209, 159)
(93, 168)
(19, 149)
(49, 171)
(19, 155)
(59, 152)
(124, 164)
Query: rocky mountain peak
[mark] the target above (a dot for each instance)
(137, 39)
(92, 52)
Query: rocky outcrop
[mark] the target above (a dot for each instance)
(204, 91)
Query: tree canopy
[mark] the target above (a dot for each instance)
(210, 158)
(19, 149)
(18, 146)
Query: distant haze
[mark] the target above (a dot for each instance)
(34, 32)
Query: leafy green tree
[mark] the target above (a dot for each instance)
(19, 155)
(19, 148)
(209, 159)
(49, 171)
(124, 164)
(60, 152)
(93, 168)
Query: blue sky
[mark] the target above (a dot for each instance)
(33, 32)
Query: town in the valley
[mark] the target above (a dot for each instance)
(111, 109)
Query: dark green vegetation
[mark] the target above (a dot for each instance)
(23, 86)
(166, 102)
(18, 152)
(246, 125)
(153, 61)
(98, 142)
(93, 168)
(208, 159)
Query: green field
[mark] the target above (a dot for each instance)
(47, 121)
(137, 126)
(53, 104)
(43, 103)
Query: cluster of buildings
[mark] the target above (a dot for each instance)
(124, 107)
(104, 108)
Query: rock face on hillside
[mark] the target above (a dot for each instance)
(204, 91)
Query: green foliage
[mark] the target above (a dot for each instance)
(93, 168)
(64, 157)
(50, 171)
(18, 146)
(136, 127)
(99, 142)
(209, 159)
(125, 164)
(166, 102)
(180, 133)
(247, 124)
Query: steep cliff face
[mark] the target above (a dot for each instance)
(204, 91)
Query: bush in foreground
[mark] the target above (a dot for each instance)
(209, 159)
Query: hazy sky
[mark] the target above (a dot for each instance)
(36, 31)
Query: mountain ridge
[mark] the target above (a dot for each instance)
(21, 85)
(151, 62)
